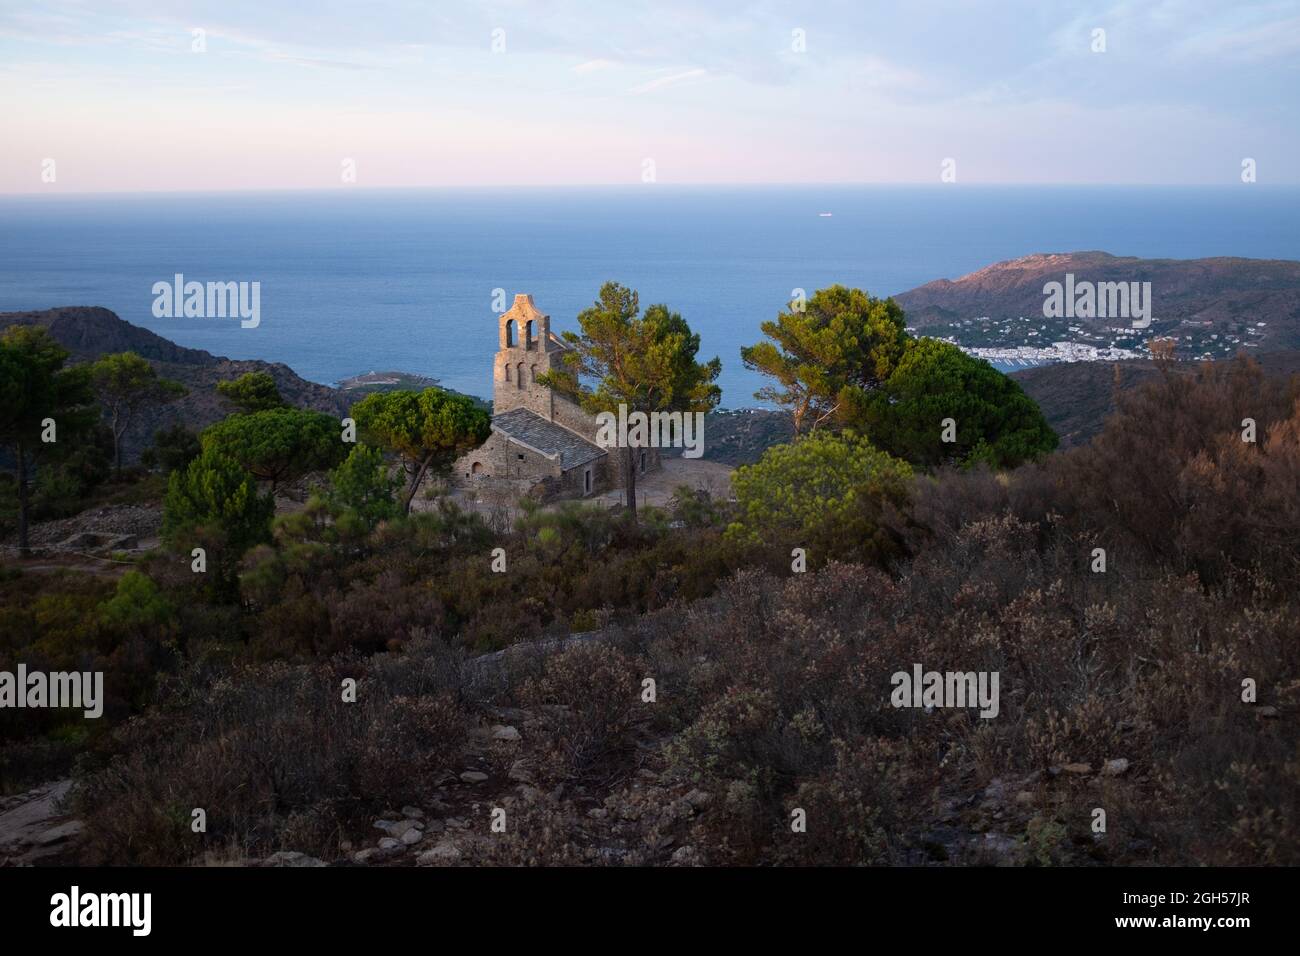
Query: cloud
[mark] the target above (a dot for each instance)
(880, 91)
(591, 66)
(669, 80)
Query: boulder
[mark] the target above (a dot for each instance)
(292, 858)
(58, 834)
(686, 856)
(444, 854)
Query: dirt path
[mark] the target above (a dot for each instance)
(657, 487)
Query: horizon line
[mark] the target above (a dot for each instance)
(349, 188)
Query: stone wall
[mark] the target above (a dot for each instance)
(501, 458)
(535, 475)
(572, 417)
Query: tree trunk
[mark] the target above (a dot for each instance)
(630, 483)
(415, 485)
(117, 443)
(24, 548)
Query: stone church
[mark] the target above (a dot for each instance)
(542, 443)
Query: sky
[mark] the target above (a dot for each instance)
(150, 95)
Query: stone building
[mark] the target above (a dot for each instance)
(542, 443)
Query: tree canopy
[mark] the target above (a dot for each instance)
(252, 392)
(39, 400)
(214, 500)
(428, 430)
(845, 360)
(646, 362)
(279, 444)
(827, 353)
(173, 447)
(993, 420)
(362, 485)
(125, 382)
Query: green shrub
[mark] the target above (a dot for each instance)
(825, 493)
(363, 485)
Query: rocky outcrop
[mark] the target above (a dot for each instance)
(34, 827)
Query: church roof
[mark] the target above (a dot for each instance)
(535, 432)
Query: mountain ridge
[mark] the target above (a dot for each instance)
(89, 332)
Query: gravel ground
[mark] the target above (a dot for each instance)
(144, 521)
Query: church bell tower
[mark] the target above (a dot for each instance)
(525, 351)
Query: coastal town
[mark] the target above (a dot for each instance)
(1024, 341)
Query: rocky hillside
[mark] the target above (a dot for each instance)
(1078, 397)
(90, 332)
(1218, 296)
(740, 437)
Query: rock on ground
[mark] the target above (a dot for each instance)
(33, 825)
(444, 854)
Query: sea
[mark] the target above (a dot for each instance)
(353, 281)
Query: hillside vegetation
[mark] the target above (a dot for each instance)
(1122, 689)
(290, 647)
